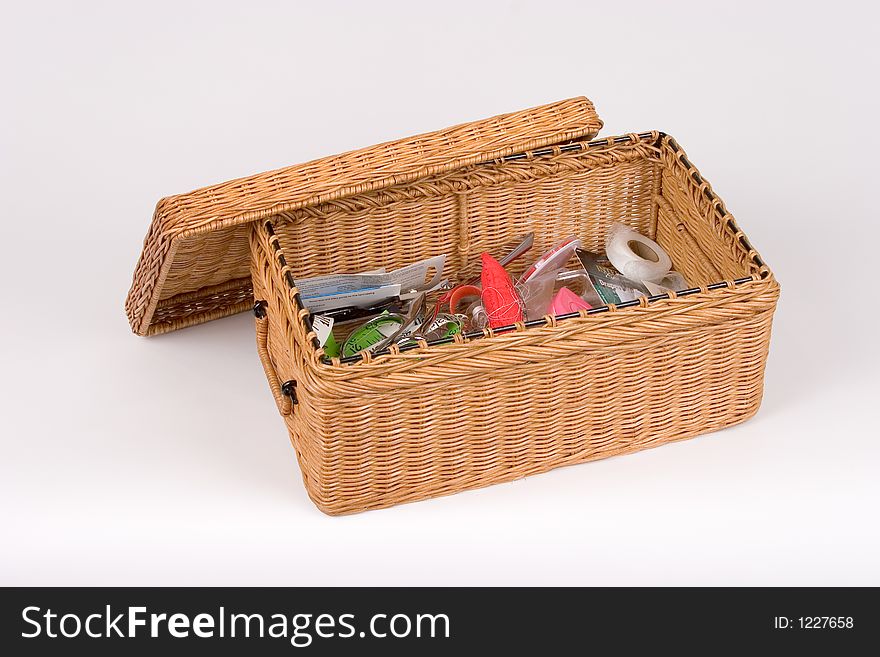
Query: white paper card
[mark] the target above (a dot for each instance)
(410, 278)
(358, 298)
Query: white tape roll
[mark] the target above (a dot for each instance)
(635, 256)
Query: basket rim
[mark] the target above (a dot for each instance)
(657, 138)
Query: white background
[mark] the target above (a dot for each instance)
(163, 461)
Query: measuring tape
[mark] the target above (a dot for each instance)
(373, 332)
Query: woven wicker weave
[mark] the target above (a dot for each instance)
(439, 419)
(195, 262)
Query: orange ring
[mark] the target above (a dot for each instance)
(460, 292)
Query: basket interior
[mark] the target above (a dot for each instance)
(491, 206)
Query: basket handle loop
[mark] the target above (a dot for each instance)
(282, 397)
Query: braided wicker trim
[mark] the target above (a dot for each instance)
(198, 307)
(720, 301)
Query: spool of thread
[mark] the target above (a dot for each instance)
(458, 294)
(476, 315)
(635, 256)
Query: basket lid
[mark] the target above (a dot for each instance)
(196, 257)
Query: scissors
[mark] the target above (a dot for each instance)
(413, 319)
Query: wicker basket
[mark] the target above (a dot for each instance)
(411, 424)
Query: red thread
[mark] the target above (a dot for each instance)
(500, 299)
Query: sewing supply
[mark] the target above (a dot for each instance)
(323, 327)
(368, 296)
(551, 261)
(443, 326)
(673, 281)
(474, 316)
(350, 313)
(323, 293)
(461, 293)
(374, 331)
(538, 294)
(524, 245)
(433, 286)
(607, 284)
(517, 251)
(635, 256)
(575, 280)
(566, 302)
(415, 317)
(500, 299)
(535, 296)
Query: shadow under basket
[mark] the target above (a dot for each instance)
(407, 424)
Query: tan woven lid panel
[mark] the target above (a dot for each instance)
(194, 265)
